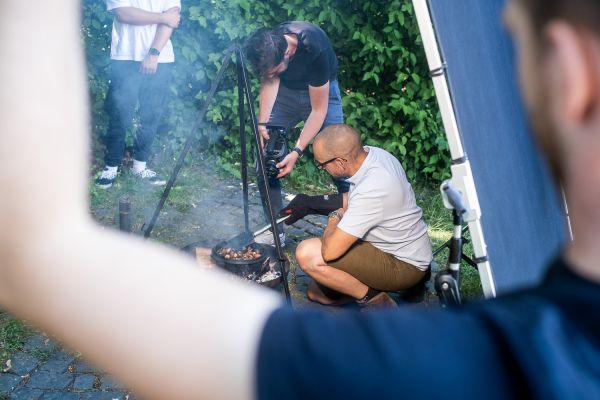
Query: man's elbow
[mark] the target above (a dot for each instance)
(328, 253)
(121, 15)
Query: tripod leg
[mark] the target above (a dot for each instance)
(262, 172)
(244, 155)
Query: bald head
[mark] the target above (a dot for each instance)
(338, 140)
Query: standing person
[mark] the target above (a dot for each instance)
(376, 239)
(297, 67)
(140, 71)
(168, 330)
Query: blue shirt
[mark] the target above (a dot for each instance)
(540, 343)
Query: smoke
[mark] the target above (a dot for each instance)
(205, 203)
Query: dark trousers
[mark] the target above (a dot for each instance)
(291, 107)
(128, 87)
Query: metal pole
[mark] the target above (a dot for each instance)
(199, 123)
(244, 156)
(261, 170)
(125, 215)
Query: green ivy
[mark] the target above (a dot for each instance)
(387, 94)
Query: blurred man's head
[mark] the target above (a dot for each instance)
(266, 52)
(338, 150)
(558, 44)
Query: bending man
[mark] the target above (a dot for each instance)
(297, 67)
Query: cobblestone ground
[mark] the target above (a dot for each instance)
(43, 370)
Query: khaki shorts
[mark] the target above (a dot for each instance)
(377, 269)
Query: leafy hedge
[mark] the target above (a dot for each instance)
(387, 95)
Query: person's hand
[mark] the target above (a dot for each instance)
(297, 209)
(287, 164)
(263, 134)
(149, 64)
(171, 17)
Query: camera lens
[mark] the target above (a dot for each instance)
(271, 168)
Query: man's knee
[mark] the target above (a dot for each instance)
(307, 253)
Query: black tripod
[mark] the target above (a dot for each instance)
(243, 86)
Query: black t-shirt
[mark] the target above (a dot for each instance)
(541, 343)
(314, 62)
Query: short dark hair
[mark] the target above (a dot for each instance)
(265, 49)
(585, 13)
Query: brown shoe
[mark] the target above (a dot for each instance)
(380, 301)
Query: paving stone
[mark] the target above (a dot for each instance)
(56, 366)
(300, 273)
(23, 363)
(294, 232)
(109, 382)
(49, 380)
(83, 367)
(233, 201)
(40, 343)
(63, 355)
(8, 382)
(98, 395)
(302, 224)
(317, 220)
(84, 382)
(315, 231)
(60, 396)
(26, 394)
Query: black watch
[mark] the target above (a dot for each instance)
(154, 52)
(298, 150)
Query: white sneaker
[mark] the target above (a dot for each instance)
(106, 178)
(150, 176)
(267, 238)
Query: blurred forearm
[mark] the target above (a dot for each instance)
(137, 16)
(137, 310)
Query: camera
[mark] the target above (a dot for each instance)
(276, 148)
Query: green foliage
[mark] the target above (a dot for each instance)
(13, 335)
(387, 95)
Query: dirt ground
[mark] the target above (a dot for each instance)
(205, 206)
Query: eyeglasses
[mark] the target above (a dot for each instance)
(322, 165)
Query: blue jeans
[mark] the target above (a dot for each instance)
(128, 87)
(290, 108)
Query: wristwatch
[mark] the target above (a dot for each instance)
(335, 214)
(154, 52)
(298, 150)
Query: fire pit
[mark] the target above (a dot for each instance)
(243, 262)
(265, 273)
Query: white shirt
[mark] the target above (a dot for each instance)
(382, 210)
(132, 42)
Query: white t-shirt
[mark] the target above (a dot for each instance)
(132, 42)
(382, 210)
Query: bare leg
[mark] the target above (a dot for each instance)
(314, 293)
(311, 261)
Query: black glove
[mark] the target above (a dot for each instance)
(302, 205)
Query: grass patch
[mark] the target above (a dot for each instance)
(13, 334)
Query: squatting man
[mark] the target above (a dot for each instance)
(376, 239)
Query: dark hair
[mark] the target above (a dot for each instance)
(585, 13)
(265, 49)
